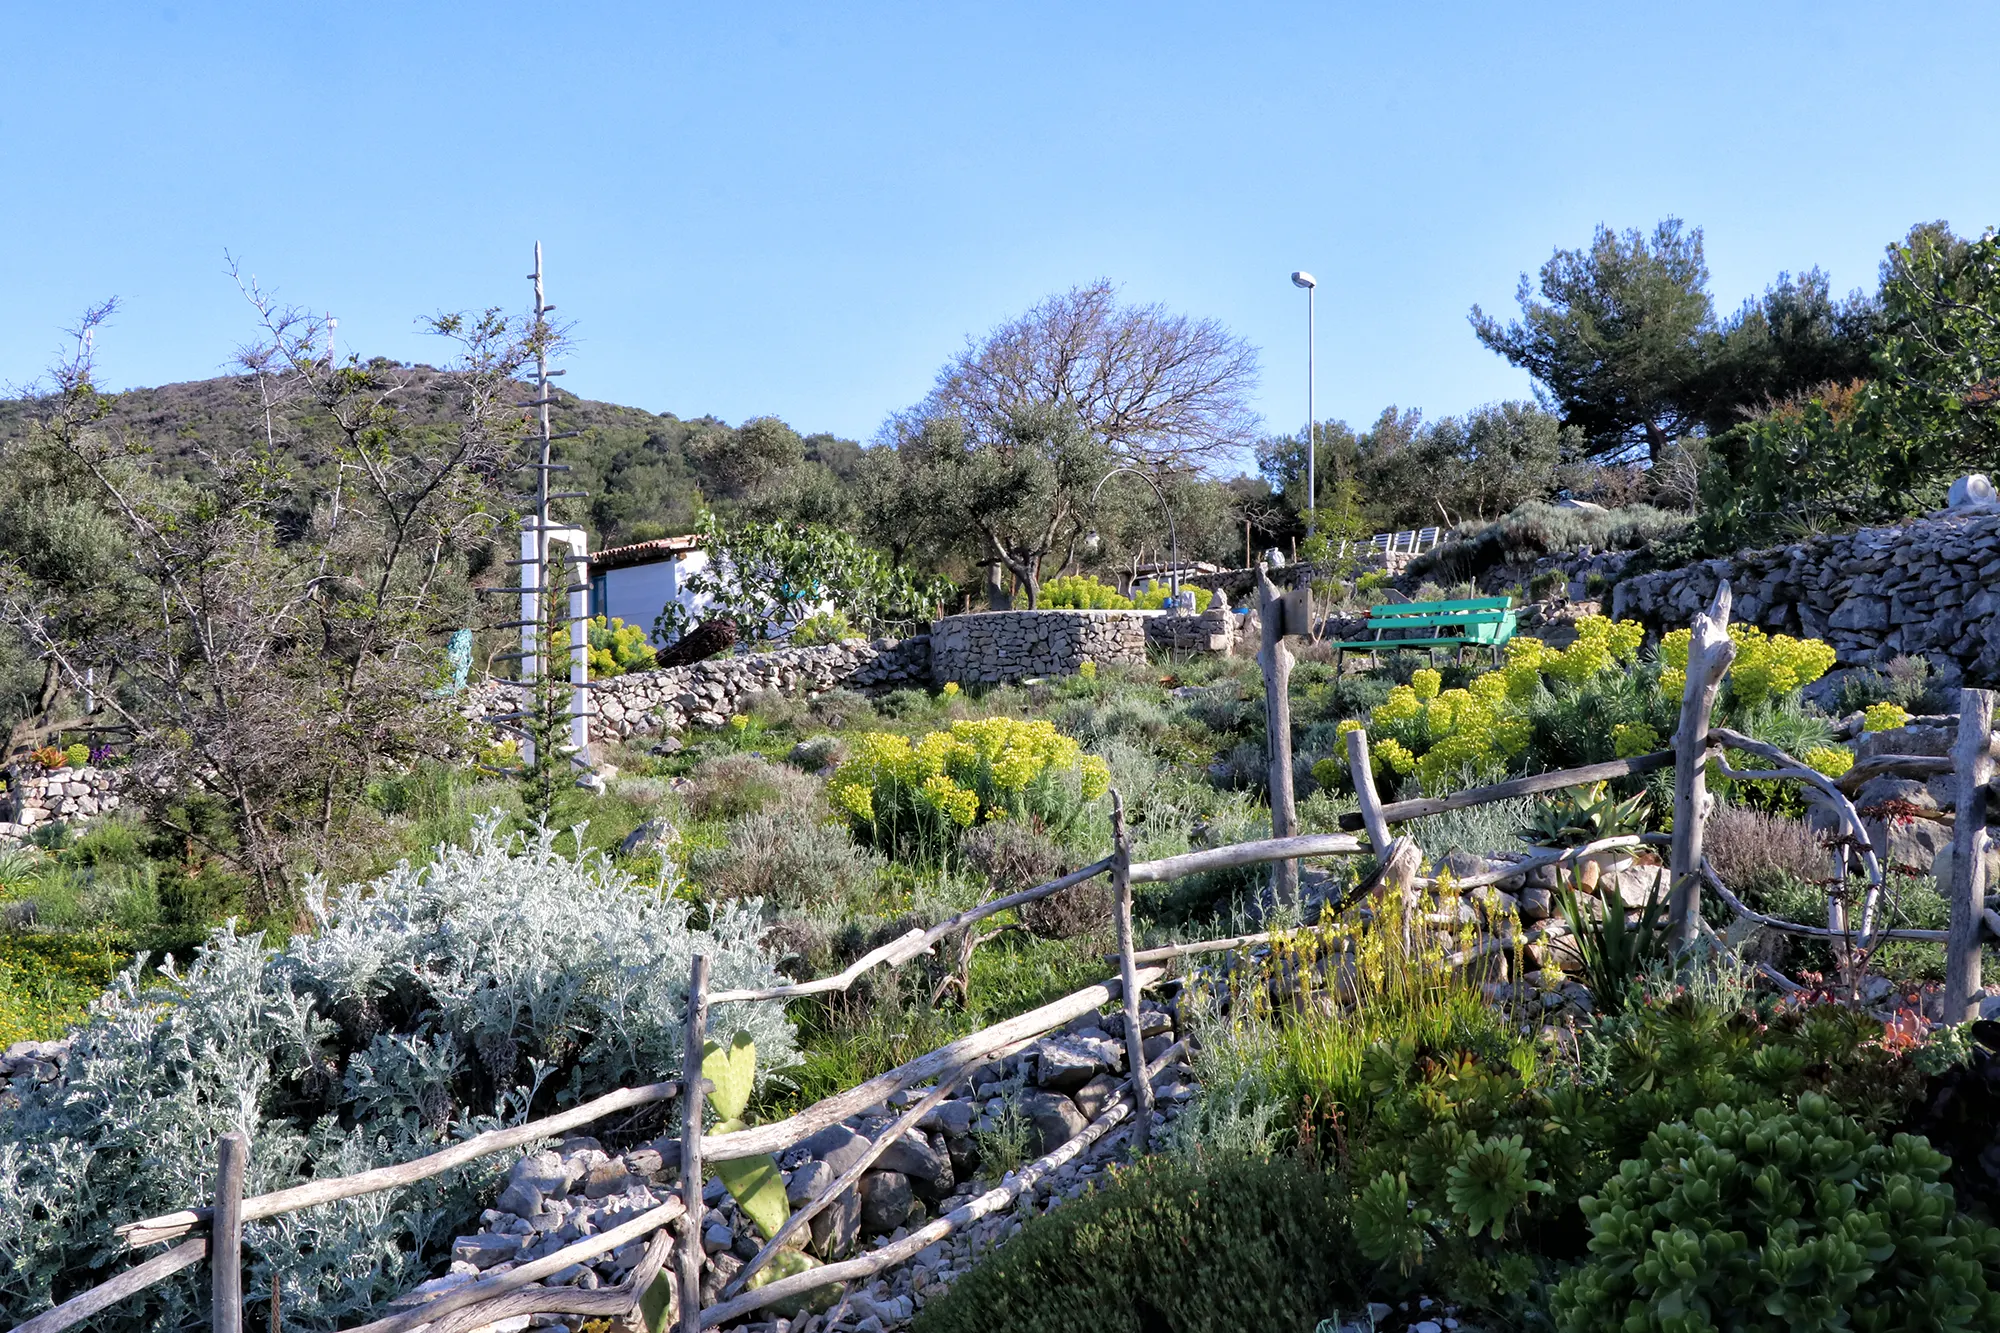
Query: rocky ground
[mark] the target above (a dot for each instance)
(1005, 1112)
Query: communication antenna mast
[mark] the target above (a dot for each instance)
(540, 532)
(332, 328)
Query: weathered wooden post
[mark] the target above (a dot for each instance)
(1710, 654)
(1128, 975)
(1276, 660)
(225, 1254)
(1361, 769)
(1972, 764)
(693, 1087)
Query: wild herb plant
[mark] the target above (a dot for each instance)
(497, 982)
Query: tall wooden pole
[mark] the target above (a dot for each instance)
(1128, 974)
(226, 1241)
(693, 1087)
(1972, 763)
(1276, 660)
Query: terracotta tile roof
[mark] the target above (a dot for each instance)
(642, 553)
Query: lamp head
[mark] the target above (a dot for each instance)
(1303, 279)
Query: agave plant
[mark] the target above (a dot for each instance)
(1613, 953)
(1573, 818)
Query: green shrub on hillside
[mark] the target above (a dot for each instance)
(1539, 528)
(1234, 1243)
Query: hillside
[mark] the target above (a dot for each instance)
(647, 473)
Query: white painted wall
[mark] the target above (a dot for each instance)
(637, 594)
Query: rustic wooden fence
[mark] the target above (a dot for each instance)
(1697, 745)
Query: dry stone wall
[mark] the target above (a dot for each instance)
(647, 703)
(1930, 587)
(1000, 646)
(38, 796)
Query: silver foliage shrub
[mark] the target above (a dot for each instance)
(504, 979)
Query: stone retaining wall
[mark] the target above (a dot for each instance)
(1000, 646)
(1213, 631)
(38, 796)
(1931, 587)
(646, 703)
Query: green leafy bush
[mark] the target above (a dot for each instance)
(1230, 1244)
(1788, 1220)
(499, 981)
(1484, 1129)
(823, 627)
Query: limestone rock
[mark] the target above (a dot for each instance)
(1054, 1117)
(886, 1197)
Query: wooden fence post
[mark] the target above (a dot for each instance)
(693, 1087)
(1128, 973)
(1710, 653)
(1361, 769)
(1276, 660)
(1972, 762)
(225, 1254)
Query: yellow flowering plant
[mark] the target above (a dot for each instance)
(921, 793)
(1442, 735)
(1884, 716)
(1768, 667)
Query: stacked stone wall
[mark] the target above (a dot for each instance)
(647, 703)
(1929, 587)
(37, 796)
(1000, 646)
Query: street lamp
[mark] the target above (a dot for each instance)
(1093, 541)
(1305, 280)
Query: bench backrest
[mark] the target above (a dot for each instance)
(1479, 619)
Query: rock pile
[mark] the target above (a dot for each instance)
(1213, 631)
(1003, 1112)
(38, 796)
(1909, 820)
(1000, 646)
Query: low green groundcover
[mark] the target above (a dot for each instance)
(1234, 1243)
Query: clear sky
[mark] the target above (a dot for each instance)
(804, 209)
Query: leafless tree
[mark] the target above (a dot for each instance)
(1155, 388)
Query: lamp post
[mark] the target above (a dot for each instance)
(1092, 542)
(1305, 280)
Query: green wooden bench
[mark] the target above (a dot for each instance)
(1477, 622)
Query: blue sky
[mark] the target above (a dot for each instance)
(804, 209)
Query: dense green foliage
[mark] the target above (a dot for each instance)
(1223, 1245)
(774, 578)
(1787, 1220)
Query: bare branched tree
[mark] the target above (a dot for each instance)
(1153, 387)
